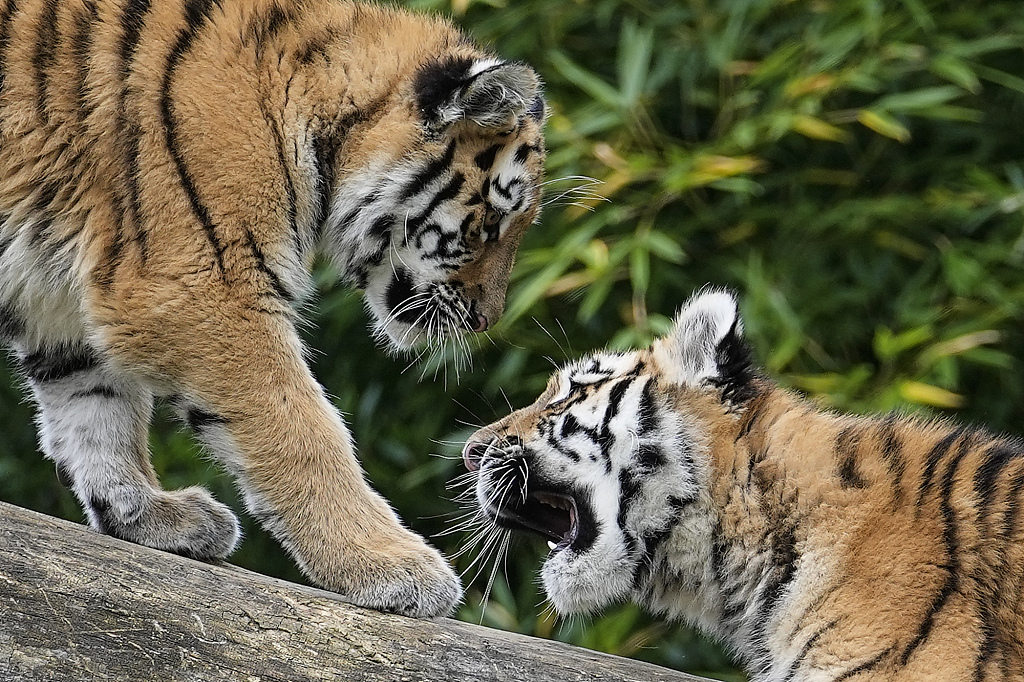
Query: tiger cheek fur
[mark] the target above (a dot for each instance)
(816, 545)
(168, 173)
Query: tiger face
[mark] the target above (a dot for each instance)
(430, 224)
(606, 467)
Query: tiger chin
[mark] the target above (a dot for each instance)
(816, 545)
(169, 170)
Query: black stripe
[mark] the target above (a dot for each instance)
(650, 456)
(267, 26)
(6, 19)
(43, 57)
(590, 527)
(985, 484)
(1011, 517)
(196, 14)
(952, 545)
(132, 22)
(630, 485)
(523, 152)
(485, 159)
(733, 603)
(932, 460)
(326, 144)
(381, 226)
(892, 455)
(81, 50)
(570, 425)
(784, 558)
(101, 511)
(985, 478)
(750, 418)
(276, 19)
(429, 173)
(199, 419)
(845, 449)
(289, 184)
(59, 363)
(865, 666)
(316, 47)
(261, 263)
(292, 209)
(324, 147)
(615, 396)
(44, 200)
(448, 192)
(988, 643)
(647, 412)
(103, 276)
(98, 392)
(808, 645)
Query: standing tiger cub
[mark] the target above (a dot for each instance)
(168, 171)
(818, 546)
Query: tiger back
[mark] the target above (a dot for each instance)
(818, 546)
(168, 172)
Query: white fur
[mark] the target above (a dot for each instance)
(688, 355)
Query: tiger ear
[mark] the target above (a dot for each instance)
(706, 343)
(488, 92)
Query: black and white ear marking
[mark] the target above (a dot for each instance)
(706, 345)
(489, 92)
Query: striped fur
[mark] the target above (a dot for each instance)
(168, 172)
(818, 546)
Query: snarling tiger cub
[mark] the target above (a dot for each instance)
(818, 546)
(168, 171)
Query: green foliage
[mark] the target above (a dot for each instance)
(853, 168)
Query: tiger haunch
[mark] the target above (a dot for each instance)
(818, 546)
(169, 170)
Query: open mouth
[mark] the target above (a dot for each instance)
(553, 516)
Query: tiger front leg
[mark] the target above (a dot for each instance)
(93, 423)
(253, 402)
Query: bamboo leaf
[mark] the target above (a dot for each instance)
(926, 394)
(817, 129)
(883, 124)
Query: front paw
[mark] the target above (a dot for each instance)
(403, 575)
(187, 522)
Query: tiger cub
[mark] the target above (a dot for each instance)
(818, 546)
(168, 171)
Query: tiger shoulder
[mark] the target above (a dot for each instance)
(814, 544)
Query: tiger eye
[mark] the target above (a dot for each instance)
(492, 217)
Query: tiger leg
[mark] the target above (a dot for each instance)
(93, 424)
(248, 394)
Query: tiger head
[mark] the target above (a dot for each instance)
(611, 463)
(436, 194)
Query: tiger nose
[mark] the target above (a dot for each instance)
(479, 323)
(473, 453)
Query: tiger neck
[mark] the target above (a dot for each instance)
(770, 472)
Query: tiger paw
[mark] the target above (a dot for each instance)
(405, 576)
(189, 522)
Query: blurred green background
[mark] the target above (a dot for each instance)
(853, 168)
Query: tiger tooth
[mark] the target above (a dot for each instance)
(551, 545)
